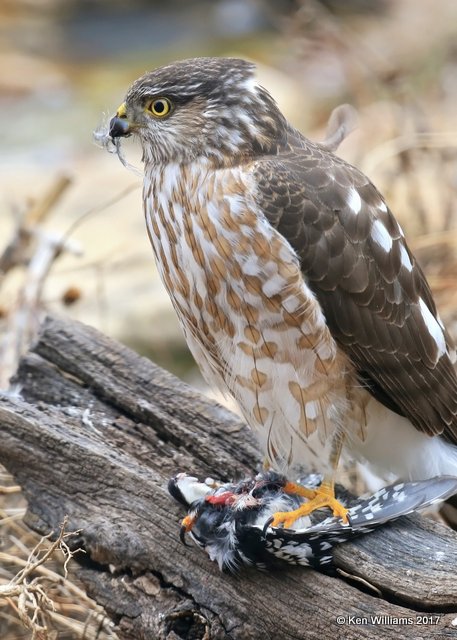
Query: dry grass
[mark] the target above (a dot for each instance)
(40, 599)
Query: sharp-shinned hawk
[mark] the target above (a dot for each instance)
(292, 280)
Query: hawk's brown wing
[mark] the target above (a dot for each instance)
(376, 300)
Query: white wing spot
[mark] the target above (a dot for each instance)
(383, 207)
(381, 236)
(354, 200)
(433, 327)
(405, 259)
(325, 545)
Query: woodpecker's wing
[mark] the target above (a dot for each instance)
(312, 545)
(373, 293)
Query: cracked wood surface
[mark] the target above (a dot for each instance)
(96, 434)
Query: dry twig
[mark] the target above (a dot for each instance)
(27, 595)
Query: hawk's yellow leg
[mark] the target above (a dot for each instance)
(324, 496)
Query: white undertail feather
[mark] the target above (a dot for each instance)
(394, 446)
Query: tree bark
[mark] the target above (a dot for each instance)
(96, 433)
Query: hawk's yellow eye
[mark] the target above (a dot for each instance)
(159, 107)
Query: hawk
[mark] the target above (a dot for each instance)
(292, 280)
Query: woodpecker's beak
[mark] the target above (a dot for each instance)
(119, 126)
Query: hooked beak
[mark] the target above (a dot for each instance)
(119, 126)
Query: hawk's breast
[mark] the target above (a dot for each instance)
(251, 322)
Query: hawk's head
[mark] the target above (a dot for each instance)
(203, 107)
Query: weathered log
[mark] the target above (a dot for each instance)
(95, 435)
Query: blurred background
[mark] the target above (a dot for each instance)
(72, 236)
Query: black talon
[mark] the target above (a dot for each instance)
(266, 525)
(182, 535)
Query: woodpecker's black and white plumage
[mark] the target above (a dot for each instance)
(230, 521)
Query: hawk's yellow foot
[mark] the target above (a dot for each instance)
(324, 496)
